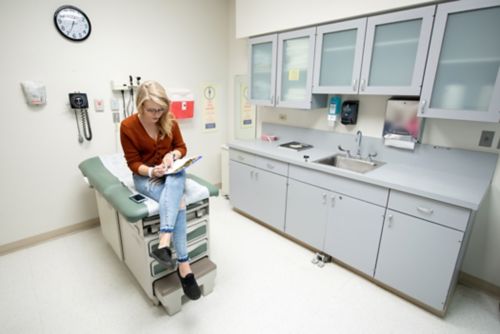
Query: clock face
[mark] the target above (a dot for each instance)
(72, 23)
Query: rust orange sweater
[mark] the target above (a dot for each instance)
(140, 148)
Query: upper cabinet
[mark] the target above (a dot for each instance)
(281, 68)
(388, 60)
(263, 69)
(339, 51)
(462, 78)
(395, 52)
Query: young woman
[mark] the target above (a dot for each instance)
(151, 141)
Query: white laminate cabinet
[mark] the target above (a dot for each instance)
(346, 228)
(339, 51)
(353, 232)
(383, 54)
(418, 258)
(242, 188)
(295, 70)
(262, 68)
(281, 70)
(306, 213)
(256, 191)
(462, 78)
(395, 52)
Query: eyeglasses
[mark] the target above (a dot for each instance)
(155, 111)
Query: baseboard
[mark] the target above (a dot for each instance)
(478, 283)
(34, 240)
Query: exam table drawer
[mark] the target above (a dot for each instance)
(428, 209)
(195, 231)
(196, 251)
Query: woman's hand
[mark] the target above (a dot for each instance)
(159, 170)
(168, 159)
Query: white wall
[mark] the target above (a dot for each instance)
(179, 43)
(255, 17)
(482, 254)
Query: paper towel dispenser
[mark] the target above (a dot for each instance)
(402, 127)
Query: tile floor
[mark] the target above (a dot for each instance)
(265, 284)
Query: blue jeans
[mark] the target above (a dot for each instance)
(168, 193)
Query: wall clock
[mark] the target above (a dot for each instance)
(72, 23)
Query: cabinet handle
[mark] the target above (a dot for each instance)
(241, 158)
(333, 201)
(354, 85)
(425, 210)
(324, 198)
(422, 106)
(389, 219)
(256, 175)
(270, 166)
(272, 99)
(363, 84)
(251, 174)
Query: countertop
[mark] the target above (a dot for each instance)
(455, 176)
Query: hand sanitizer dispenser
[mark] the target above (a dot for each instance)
(334, 110)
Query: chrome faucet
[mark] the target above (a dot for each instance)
(359, 137)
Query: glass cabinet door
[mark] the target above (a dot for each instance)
(396, 51)
(339, 50)
(262, 56)
(295, 63)
(463, 75)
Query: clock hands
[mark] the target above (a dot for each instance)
(72, 25)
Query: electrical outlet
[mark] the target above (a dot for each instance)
(282, 117)
(486, 138)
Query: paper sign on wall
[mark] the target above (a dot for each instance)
(208, 107)
(247, 110)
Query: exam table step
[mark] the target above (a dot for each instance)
(168, 289)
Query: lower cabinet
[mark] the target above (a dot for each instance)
(259, 193)
(306, 213)
(353, 232)
(346, 228)
(418, 257)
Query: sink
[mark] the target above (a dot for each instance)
(352, 164)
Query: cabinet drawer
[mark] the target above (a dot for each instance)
(242, 157)
(438, 212)
(360, 190)
(273, 166)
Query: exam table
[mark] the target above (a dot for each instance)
(132, 229)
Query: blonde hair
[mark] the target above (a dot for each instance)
(153, 91)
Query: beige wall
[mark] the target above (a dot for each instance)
(482, 255)
(255, 17)
(179, 43)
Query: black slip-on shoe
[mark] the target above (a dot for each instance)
(164, 256)
(189, 286)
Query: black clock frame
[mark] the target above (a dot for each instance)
(62, 33)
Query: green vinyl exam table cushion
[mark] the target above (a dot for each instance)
(117, 194)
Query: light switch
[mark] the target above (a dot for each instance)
(115, 105)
